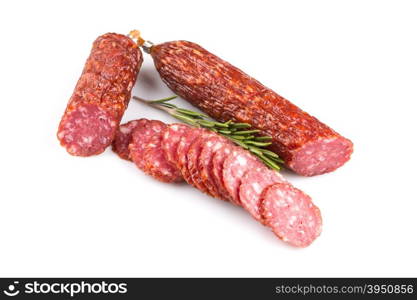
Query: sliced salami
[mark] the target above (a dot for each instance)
(156, 163)
(218, 162)
(123, 138)
(214, 165)
(205, 164)
(252, 186)
(182, 151)
(193, 157)
(171, 138)
(140, 138)
(291, 214)
(234, 167)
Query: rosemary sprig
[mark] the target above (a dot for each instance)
(239, 133)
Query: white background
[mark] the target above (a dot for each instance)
(352, 64)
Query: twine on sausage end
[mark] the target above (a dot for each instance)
(146, 45)
(135, 35)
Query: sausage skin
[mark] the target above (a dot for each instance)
(101, 95)
(224, 92)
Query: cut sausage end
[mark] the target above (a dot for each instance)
(321, 156)
(86, 130)
(291, 214)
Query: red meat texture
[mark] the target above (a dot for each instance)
(214, 165)
(101, 96)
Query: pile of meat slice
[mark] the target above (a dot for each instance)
(215, 166)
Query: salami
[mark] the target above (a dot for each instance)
(235, 166)
(141, 137)
(205, 164)
(224, 92)
(215, 166)
(182, 152)
(253, 184)
(123, 138)
(193, 160)
(171, 138)
(101, 95)
(291, 214)
(156, 164)
(218, 162)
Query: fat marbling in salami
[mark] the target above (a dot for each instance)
(215, 166)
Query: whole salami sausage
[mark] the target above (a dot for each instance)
(101, 95)
(223, 91)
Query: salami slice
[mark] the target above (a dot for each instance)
(291, 214)
(171, 138)
(156, 163)
(214, 165)
(252, 186)
(205, 164)
(123, 137)
(218, 162)
(235, 166)
(140, 138)
(193, 157)
(182, 151)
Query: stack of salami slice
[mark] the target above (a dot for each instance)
(215, 166)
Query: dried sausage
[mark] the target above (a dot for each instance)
(156, 163)
(171, 138)
(193, 160)
(218, 161)
(182, 152)
(290, 214)
(123, 138)
(205, 164)
(141, 137)
(215, 166)
(235, 166)
(101, 95)
(307, 146)
(253, 183)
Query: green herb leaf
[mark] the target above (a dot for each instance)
(238, 133)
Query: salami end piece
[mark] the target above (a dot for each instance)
(291, 214)
(86, 130)
(102, 93)
(321, 156)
